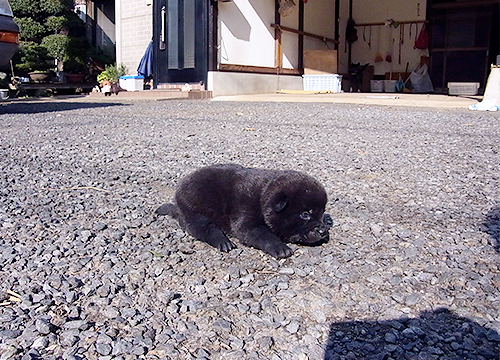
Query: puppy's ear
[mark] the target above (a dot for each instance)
(280, 204)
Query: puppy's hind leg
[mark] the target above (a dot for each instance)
(203, 229)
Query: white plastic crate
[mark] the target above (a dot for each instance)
(377, 85)
(390, 86)
(331, 82)
(463, 88)
(132, 82)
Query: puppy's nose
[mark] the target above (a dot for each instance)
(321, 231)
(327, 220)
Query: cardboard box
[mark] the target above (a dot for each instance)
(317, 62)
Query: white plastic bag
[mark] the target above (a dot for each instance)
(421, 81)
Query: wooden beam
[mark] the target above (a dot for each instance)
(308, 34)
(397, 22)
(258, 69)
(465, 4)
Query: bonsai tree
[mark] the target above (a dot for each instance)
(51, 28)
(57, 48)
(33, 57)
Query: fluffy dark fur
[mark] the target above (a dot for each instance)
(261, 208)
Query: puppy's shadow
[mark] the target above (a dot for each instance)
(491, 226)
(317, 243)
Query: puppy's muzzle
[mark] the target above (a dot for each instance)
(321, 230)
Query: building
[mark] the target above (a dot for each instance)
(258, 46)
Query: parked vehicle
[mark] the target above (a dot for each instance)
(9, 34)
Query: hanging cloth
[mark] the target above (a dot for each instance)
(286, 7)
(145, 67)
(422, 41)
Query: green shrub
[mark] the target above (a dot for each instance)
(112, 73)
(30, 28)
(51, 25)
(75, 66)
(56, 23)
(33, 56)
(57, 46)
(55, 6)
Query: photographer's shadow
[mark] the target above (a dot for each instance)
(492, 227)
(438, 334)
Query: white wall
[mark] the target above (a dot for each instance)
(247, 38)
(383, 39)
(134, 30)
(245, 33)
(223, 83)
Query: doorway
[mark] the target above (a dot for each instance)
(464, 36)
(180, 46)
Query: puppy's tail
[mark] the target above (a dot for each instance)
(170, 210)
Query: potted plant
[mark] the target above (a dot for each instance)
(50, 31)
(74, 70)
(108, 79)
(33, 60)
(40, 76)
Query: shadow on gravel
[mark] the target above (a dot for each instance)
(43, 107)
(492, 227)
(438, 334)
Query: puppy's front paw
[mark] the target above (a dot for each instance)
(225, 246)
(279, 250)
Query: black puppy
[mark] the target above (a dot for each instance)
(262, 208)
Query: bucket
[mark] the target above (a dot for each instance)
(390, 85)
(377, 85)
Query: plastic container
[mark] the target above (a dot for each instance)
(390, 86)
(377, 85)
(463, 88)
(132, 82)
(331, 82)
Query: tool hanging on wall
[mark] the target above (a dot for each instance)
(390, 24)
(416, 28)
(388, 57)
(369, 42)
(401, 41)
(421, 38)
(378, 54)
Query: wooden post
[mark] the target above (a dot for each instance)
(337, 23)
(300, 48)
(277, 37)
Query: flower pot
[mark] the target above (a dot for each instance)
(39, 77)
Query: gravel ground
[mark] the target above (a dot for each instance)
(412, 270)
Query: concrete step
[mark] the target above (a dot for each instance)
(144, 95)
(157, 94)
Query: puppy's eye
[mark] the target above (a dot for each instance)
(305, 215)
